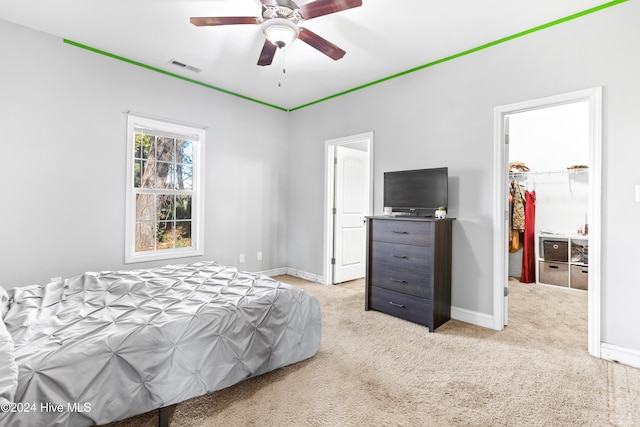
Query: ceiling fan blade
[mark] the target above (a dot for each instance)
(267, 54)
(203, 21)
(323, 45)
(325, 7)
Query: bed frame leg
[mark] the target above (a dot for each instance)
(163, 418)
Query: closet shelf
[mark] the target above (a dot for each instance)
(567, 172)
(550, 172)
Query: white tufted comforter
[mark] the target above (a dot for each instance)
(105, 346)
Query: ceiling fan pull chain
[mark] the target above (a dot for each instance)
(282, 63)
(284, 59)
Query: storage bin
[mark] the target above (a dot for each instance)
(580, 277)
(554, 273)
(555, 250)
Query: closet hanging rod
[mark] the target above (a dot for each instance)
(550, 172)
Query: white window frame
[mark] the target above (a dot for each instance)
(197, 136)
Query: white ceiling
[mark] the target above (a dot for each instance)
(382, 38)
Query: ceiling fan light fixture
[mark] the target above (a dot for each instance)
(280, 31)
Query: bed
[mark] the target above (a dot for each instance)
(105, 346)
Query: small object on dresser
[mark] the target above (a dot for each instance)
(441, 213)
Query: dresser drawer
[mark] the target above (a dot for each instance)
(405, 232)
(401, 305)
(397, 278)
(403, 256)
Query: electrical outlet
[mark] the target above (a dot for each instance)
(241, 257)
(259, 256)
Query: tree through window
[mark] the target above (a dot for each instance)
(162, 212)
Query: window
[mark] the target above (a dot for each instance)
(165, 198)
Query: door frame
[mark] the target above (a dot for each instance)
(329, 192)
(500, 254)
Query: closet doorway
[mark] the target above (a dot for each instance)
(558, 164)
(548, 164)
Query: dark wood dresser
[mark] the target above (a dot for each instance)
(409, 268)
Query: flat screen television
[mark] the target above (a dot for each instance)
(416, 192)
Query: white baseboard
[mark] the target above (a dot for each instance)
(473, 317)
(610, 352)
(292, 272)
(304, 275)
(468, 316)
(623, 355)
(273, 272)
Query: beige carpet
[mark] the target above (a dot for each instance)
(373, 369)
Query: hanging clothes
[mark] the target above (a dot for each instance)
(517, 216)
(529, 254)
(518, 213)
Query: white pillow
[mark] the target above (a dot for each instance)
(8, 366)
(4, 302)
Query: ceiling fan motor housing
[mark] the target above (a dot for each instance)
(284, 9)
(280, 31)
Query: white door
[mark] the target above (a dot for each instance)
(351, 201)
(506, 223)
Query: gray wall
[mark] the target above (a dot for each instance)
(63, 150)
(443, 116)
(63, 142)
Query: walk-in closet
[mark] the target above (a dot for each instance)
(548, 201)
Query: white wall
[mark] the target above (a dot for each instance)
(63, 143)
(443, 116)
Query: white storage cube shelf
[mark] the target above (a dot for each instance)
(563, 260)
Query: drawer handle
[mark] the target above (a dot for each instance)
(553, 266)
(400, 232)
(398, 281)
(399, 256)
(397, 305)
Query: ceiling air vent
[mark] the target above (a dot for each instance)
(185, 66)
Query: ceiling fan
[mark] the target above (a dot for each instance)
(279, 23)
